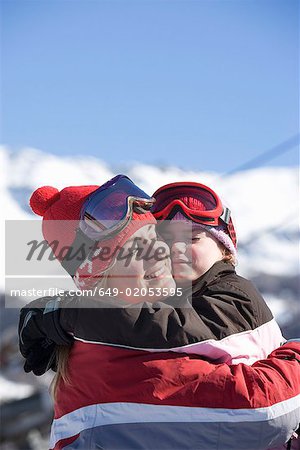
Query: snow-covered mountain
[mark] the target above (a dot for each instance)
(264, 201)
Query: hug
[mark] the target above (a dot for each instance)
(199, 362)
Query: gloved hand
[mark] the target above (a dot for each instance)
(40, 357)
(40, 333)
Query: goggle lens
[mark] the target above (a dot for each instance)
(190, 197)
(110, 207)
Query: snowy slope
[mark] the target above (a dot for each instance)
(264, 201)
(10, 390)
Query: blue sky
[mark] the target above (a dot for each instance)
(203, 84)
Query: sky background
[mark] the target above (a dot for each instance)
(199, 84)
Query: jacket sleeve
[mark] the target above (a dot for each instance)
(264, 396)
(144, 325)
(200, 326)
(49, 322)
(160, 326)
(110, 321)
(275, 383)
(219, 308)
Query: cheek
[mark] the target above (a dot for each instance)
(200, 255)
(127, 277)
(123, 272)
(196, 252)
(206, 254)
(134, 270)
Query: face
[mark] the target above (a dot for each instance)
(193, 251)
(142, 263)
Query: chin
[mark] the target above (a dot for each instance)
(185, 274)
(184, 278)
(168, 283)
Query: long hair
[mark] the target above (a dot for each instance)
(62, 356)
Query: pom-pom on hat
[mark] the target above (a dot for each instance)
(43, 198)
(61, 214)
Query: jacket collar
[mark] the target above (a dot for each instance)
(219, 269)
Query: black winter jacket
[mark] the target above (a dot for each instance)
(222, 317)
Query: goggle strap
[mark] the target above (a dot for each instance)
(77, 252)
(225, 216)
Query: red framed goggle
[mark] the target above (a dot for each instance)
(196, 201)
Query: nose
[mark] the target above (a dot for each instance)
(178, 248)
(157, 251)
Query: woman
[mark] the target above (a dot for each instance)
(160, 399)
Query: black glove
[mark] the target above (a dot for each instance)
(40, 358)
(40, 333)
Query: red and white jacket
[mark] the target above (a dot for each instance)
(132, 399)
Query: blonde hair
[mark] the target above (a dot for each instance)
(63, 353)
(62, 356)
(229, 257)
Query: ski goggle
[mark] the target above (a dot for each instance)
(105, 213)
(196, 201)
(109, 209)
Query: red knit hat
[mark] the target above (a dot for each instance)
(61, 213)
